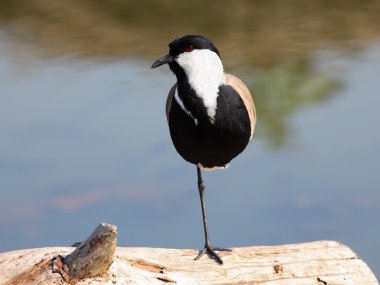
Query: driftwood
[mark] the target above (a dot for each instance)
(315, 263)
(94, 256)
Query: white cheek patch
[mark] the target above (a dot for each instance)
(204, 70)
(180, 103)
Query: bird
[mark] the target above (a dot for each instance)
(210, 113)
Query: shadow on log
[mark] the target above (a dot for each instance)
(96, 261)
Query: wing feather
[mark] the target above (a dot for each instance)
(245, 95)
(169, 100)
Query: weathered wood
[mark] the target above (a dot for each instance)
(315, 263)
(94, 256)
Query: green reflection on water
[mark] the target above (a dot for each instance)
(273, 41)
(263, 33)
(283, 90)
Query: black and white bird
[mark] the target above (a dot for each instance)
(210, 113)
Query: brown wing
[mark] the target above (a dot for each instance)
(245, 95)
(169, 100)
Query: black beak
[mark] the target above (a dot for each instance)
(166, 59)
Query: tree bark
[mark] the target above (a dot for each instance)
(314, 263)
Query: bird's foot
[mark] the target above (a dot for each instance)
(210, 251)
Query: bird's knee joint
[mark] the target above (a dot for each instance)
(201, 186)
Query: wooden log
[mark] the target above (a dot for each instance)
(314, 263)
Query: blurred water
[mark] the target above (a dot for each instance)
(84, 137)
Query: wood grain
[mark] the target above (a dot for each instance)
(314, 263)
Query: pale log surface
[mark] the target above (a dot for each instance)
(316, 263)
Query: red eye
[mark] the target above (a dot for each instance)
(189, 48)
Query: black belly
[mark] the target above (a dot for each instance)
(212, 144)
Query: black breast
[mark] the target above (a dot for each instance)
(211, 143)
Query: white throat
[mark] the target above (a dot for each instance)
(204, 70)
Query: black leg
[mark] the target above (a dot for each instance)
(207, 248)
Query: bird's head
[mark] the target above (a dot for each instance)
(189, 53)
